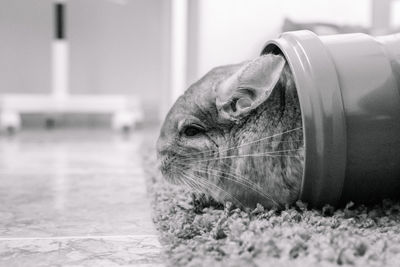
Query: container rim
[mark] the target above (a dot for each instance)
(322, 111)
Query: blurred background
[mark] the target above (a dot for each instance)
(120, 63)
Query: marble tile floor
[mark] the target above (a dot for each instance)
(75, 198)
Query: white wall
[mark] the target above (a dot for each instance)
(231, 31)
(395, 16)
(118, 46)
(25, 43)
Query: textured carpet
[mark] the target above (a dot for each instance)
(195, 231)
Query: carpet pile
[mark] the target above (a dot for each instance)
(196, 231)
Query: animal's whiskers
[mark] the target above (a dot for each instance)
(231, 171)
(190, 182)
(249, 143)
(246, 183)
(238, 178)
(213, 152)
(264, 154)
(206, 187)
(221, 190)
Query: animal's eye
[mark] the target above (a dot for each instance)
(192, 130)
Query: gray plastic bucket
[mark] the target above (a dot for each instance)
(349, 92)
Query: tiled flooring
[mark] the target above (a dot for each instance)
(74, 198)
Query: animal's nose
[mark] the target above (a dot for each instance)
(161, 147)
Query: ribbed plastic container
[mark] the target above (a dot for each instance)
(349, 92)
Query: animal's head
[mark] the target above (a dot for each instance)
(196, 139)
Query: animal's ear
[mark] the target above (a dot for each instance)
(250, 86)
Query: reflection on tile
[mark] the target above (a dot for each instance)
(44, 205)
(77, 251)
(87, 184)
